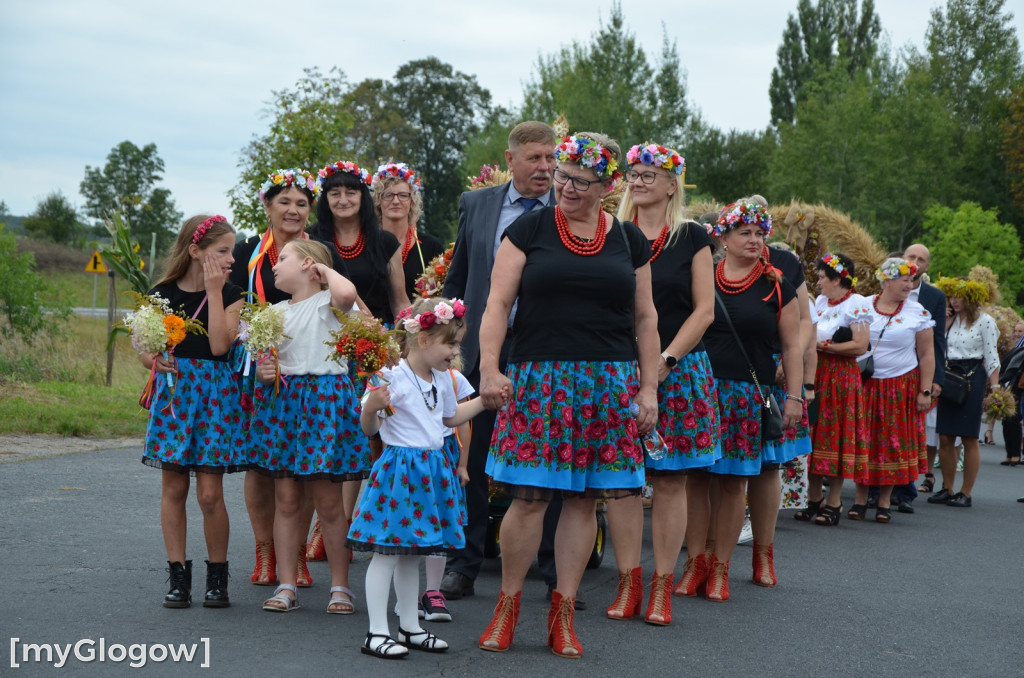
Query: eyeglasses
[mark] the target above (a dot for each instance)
(646, 177)
(402, 197)
(580, 184)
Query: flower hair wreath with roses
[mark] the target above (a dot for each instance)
(836, 264)
(443, 313)
(290, 177)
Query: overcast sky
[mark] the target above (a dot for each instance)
(77, 78)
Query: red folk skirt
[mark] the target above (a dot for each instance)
(839, 438)
(896, 442)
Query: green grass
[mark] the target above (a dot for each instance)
(79, 289)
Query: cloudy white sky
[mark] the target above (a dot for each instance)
(77, 78)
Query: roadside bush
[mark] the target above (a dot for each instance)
(29, 307)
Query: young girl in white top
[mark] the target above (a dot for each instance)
(309, 431)
(413, 504)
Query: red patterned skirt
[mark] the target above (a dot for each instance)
(896, 443)
(839, 438)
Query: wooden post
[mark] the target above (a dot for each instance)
(111, 304)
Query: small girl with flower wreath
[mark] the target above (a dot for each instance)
(194, 428)
(307, 433)
(412, 505)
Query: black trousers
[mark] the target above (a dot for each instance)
(1012, 436)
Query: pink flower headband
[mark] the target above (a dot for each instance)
(443, 313)
(340, 167)
(656, 156)
(735, 215)
(201, 230)
(396, 170)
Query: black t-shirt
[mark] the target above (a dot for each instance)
(790, 265)
(756, 323)
(428, 247)
(672, 282)
(240, 269)
(573, 307)
(370, 285)
(196, 345)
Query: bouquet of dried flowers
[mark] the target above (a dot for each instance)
(999, 404)
(261, 330)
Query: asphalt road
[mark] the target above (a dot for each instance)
(937, 593)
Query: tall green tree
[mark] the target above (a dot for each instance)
(442, 107)
(1013, 145)
(608, 85)
(310, 126)
(56, 219)
(819, 38)
(727, 165)
(128, 182)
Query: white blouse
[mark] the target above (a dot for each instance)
(896, 353)
(854, 309)
(980, 341)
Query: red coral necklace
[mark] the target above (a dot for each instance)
(899, 308)
(736, 286)
(578, 245)
(659, 243)
(410, 239)
(839, 301)
(355, 250)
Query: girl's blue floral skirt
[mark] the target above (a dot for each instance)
(310, 430)
(567, 430)
(412, 505)
(687, 418)
(198, 426)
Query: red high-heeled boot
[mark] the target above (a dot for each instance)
(718, 580)
(695, 577)
(265, 571)
(629, 597)
(302, 576)
(764, 565)
(561, 634)
(659, 607)
(315, 550)
(502, 629)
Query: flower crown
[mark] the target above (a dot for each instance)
(299, 178)
(443, 313)
(657, 156)
(202, 228)
(396, 170)
(342, 166)
(586, 152)
(971, 291)
(895, 268)
(836, 264)
(736, 214)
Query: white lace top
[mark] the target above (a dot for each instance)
(979, 342)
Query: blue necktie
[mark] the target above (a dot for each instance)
(528, 203)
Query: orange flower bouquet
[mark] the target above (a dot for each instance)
(365, 346)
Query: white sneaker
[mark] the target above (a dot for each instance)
(747, 532)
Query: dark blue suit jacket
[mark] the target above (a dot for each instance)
(934, 301)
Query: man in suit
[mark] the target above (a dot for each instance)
(484, 214)
(934, 301)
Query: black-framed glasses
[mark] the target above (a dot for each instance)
(647, 177)
(579, 183)
(402, 197)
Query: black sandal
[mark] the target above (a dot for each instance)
(829, 515)
(384, 650)
(857, 512)
(429, 642)
(883, 515)
(813, 508)
(928, 484)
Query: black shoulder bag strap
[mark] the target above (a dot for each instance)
(743, 351)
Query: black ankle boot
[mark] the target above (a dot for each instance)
(180, 594)
(216, 585)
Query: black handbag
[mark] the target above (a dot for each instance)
(771, 413)
(957, 385)
(867, 367)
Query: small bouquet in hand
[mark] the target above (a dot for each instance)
(362, 343)
(999, 404)
(261, 330)
(431, 281)
(156, 329)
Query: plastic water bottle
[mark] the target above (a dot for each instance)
(654, 444)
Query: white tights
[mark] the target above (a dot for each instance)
(434, 566)
(404, 570)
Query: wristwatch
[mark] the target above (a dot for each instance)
(670, 359)
(927, 393)
(808, 387)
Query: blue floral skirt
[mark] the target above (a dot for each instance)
(199, 426)
(687, 418)
(568, 430)
(412, 505)
(740, 429)
(310, 430)
(795, 441)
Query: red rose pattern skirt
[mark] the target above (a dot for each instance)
(199, 427)
(687, 418)
(740, 429)
(896, 442)
(412, 505)
(310, 430)
(839, 438)
(567, 429)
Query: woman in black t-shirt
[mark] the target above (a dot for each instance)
(683, 285)
(399, 203)
(584, 316)
(345, 217)
(762, 307)
(194, 426)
